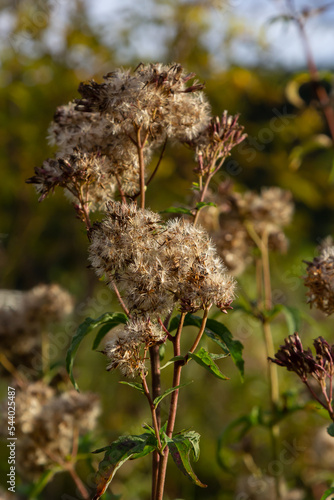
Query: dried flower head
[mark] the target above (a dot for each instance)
(47, 424)
(154, 98)
(127, 349)
(294, 358)
(320, 280)
(23, 318)
(197, 275)
(85, 177)
(238, 216)
(158, 266)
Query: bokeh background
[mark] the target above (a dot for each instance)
(252, 59)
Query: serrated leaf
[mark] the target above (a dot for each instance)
(180, 447)
(203, 358)
(177, 210)
(330, 429)
(135, 385)
(125, 448)
(327, 493)
(118, 319)
(202, 204)
(83, 330)
(158, 399)
(292, 316)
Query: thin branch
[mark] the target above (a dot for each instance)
(120, 300)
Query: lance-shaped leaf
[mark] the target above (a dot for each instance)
(180, 447)
(219, 333)
(177, 210)
(169, 391)
(135, 385)
(110, 319)
(203, 358)
(202, 204)
(125, 448)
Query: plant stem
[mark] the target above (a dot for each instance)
(140, 144)
(81, 487)
(270, 352)
(120, 300)
(4, 361)
(156, 391)
(200, 333)
(153, 411)
(172, 409)
(319, 90)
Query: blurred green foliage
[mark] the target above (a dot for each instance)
(288, 146)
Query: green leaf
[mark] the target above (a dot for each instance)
(177, 210)
(203, 358)
(330, 429)
(180, 447)
(125, 448)
(233, 433)
(118, 318)
(292, 316)
(202, 204)
(219, 333)
(172, 361)
(169, 391)
(84, 329)
(42, 481)
(135, 385)
(327, 493)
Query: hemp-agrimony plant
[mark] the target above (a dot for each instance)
(162, 271)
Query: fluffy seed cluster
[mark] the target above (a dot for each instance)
(47, 424)
(80, 174)
(235, 214)
(159, 266)
(155, 98)
(127, 349)
(99, 136)
(23, 316)
(320, 280)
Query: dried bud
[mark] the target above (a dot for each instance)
(216, 142)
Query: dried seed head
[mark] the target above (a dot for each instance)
(124, 234)
(320, 280)
(85, 176)
(155, 98)
(23, 319)
(127, 349)
(158, 265)
(266, 214)
(46, 424)
(198, 277)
